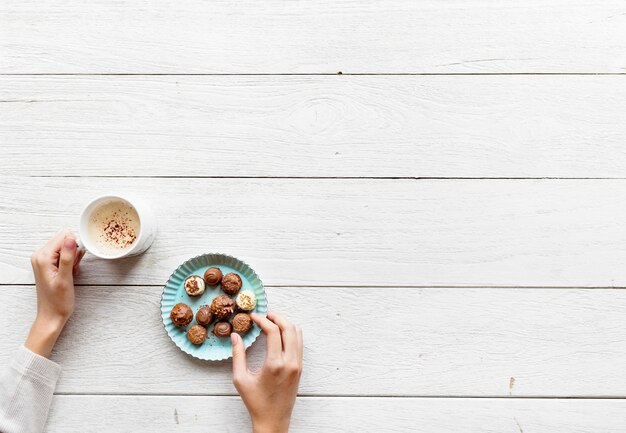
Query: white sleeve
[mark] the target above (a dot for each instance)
(26, 390)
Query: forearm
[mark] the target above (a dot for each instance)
(26, 391)
(270, 429)
(43, 335)
(272, 425)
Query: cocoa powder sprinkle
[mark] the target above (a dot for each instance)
(118, 231)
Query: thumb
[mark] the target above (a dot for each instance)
(67, 257)
(240, 368)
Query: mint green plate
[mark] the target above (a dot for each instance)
(214, 348)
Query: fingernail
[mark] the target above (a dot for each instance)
(234, 338)
(69, 243)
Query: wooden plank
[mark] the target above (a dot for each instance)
(102, 414)
(358, 341)
(408, 126)
(383, 36)
(344, 232)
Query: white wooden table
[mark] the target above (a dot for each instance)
(434, 190)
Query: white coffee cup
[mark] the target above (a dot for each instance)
(143, 233)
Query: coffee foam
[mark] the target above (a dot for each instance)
(114, 227)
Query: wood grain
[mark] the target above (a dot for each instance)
(227, 414)
(405, 126)
(383, 36)
(406, 289)
(344, 232)
(358, 341)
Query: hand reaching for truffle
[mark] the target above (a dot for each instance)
(54, 266)
(270, 393)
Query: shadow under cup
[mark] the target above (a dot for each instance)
(112, 227)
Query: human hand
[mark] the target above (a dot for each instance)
(270, 393)
(54, 266)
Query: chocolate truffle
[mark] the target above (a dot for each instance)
(197, 334)
(222, 307)
(246, 300)
(231, 283)
(222, 329)
(194, 285)
(212, 276)
(181, 315)
(242, 323)
(204, 316)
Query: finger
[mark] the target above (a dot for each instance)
(300, 345)
(80, 253)
(274, 340)
(67, 257)
(51, 251)
(54, 244)
(79, 256)
(46, 259)
(240, 369)
(289, 334)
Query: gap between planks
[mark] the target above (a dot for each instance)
(338, 286)
(76, 176)
(252, 74)
(346, 396)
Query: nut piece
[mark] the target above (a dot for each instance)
(222, 307)
(197, 334)
(212, 276)
(181, 315)
(231, 283)
(194, 285)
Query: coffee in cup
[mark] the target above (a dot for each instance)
(113, 227)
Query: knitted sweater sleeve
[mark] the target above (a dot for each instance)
(26, 390)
